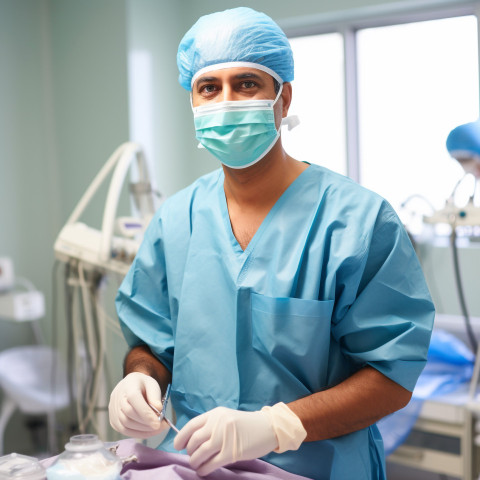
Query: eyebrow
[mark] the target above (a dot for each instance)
(240, 76)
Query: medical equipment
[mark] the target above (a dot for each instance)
(463, 144)
(457, 216)
(85, 457)
(7, 277)
(22, 305)
(441, 440)
(102, 250)
(91, 257)
(442, 436)
(19, 299)
(163, 414)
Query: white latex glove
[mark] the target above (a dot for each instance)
(129, 411)
(223, 436)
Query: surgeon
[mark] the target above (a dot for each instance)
(283, 302)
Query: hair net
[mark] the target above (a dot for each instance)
(464, 141)
(236, 35)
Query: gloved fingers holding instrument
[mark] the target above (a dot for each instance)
(129, 409)
(162, 414)
(223, 436)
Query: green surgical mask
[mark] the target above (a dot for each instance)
(238, 133)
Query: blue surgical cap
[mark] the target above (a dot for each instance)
(239, 35)
(464, 141)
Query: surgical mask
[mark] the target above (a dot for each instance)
(239, 133)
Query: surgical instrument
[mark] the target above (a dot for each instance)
(162, 414)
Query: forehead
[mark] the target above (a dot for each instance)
(232, 74)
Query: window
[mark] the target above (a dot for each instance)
(318, 100)
(416, 82)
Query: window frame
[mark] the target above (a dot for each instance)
(347, 24)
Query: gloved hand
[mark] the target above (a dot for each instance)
(223, 436)
(129, 411)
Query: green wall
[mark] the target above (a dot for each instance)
(155, 30)
(88, 44)
(28, 174)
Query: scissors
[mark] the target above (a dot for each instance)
(162, 414)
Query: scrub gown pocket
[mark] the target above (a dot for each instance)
(294, 334)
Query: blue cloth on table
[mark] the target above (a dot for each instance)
(449, 365)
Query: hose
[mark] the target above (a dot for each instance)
(460, 292)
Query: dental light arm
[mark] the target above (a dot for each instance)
(101, 248)
(90, 255)
(131, 151)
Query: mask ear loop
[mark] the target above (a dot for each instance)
(291, 121)
(280, 90)
(191, 106)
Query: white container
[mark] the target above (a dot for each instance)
(85, 458)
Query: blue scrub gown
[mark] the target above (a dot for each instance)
(328, 284)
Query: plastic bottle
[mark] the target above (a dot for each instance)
(85, 458)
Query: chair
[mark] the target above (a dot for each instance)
(34, 380)
(33, 377)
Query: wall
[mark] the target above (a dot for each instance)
(155, 30)
(89, 77)
(28, 172)
(307, 12)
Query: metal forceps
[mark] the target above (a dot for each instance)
(162, 414)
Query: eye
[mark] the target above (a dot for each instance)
(208, 88)
(248, 84)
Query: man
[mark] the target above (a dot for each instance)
(283, 302)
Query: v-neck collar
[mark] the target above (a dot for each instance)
(239, 252)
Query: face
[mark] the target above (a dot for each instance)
(240, 83)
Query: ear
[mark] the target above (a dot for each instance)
(286, 98)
